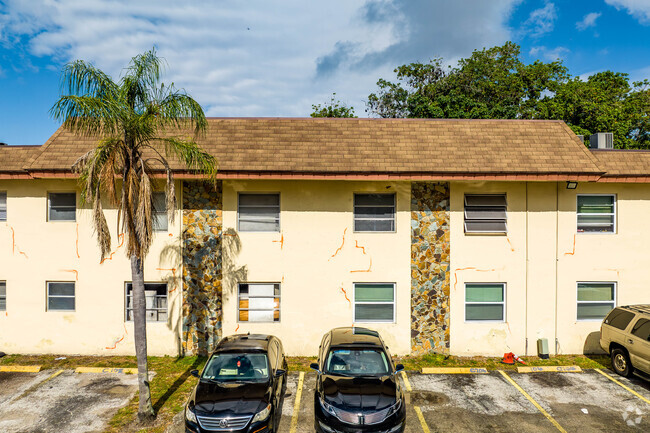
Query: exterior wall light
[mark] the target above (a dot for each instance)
(571, 184)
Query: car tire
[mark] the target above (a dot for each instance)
(621, 362)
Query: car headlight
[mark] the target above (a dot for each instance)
(327, 407)
(190, 415)
(262, 415)
(395, 408)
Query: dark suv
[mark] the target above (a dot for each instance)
(356, 387)
(241, 388)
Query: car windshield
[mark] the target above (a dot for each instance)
(237, 367)
(357, 362)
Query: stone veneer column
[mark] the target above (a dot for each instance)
(429, 267)
(202, 287)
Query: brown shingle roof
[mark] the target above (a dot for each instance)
(15, 158)
(371, 146)
(623, 162)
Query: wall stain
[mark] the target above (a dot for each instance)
(119, 340)
(281, 241)
(510, 243)
(76, 273)
(574, 247)
(173, 271)
(120, 236)
(338, 250)
(470, 268)
(365, 270)
(76, 245)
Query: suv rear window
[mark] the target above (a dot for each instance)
(619, 319)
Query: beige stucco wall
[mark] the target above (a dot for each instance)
(541, 267)
(33, 251)
(315, 256)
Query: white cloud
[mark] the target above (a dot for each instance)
(589, 20)
(551, 54)
(640, 9)
(260, 57)
(541, 20)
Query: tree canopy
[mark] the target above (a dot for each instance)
(494, 83)
(333, 108)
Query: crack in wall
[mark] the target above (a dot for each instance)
(14, 245)
(338, 250)
(119, 236)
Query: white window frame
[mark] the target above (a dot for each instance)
(257, 297)
(3, 282)
(504, 302)
(614, 301)
(354, 302)
(126, 296)
(355, 206)
(240, 193)
(49, 206)
(164, 213)
(614, 226)
(484, 232)
(47, 296)
(6, 206)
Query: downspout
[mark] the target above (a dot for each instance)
(526, 276)
(557, 256)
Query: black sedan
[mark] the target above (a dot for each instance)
(241, 388)
(356, 388)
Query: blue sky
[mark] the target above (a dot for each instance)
(277, 58)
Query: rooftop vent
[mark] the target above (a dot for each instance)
(601, 140)
(582, 138)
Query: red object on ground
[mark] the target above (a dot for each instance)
(518, 359)
(508, 358)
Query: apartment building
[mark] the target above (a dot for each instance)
(469, 237)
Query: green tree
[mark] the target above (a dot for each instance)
(132, 119)
(494, 83)
(605, 102)
(333, 108)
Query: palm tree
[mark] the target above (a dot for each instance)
(127, 118)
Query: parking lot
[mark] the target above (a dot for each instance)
(61, 400)
(588, 401)
(571, 402)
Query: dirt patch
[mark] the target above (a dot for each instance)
(553, 380)
(427, 398)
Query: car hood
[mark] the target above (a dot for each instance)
(230, 399)
(359, 393)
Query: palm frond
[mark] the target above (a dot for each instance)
(191, 154)
(87, 115)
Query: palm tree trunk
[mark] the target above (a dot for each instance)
(145, 409)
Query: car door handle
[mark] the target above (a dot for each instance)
(630, 341)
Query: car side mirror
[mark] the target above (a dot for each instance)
(398, 368)
(314, 366)
(195, 373)
(280, 372)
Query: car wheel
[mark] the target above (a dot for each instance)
(621, 362)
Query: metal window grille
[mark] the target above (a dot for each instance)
(155, 295)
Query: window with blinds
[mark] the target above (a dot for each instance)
(374, 302)
(486, 213)
(595, 300)
(258, 212)
(485, 302)
(61, 296)
(374, 212)
(596, 213)
(62, 206)
(259, 302)
(3, 206)
(160, 219)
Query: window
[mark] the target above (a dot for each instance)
(259, 212)
(259, 302)
(374, 212)
(642, 329)
(595, 300)
(3, 296)
(160, 211)
(596, 213)
(60, 296)
(619, 319)
(155, 298)
(3, 206)
(62, 206)
(485, 302)
(374, 302)
(486, 213)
